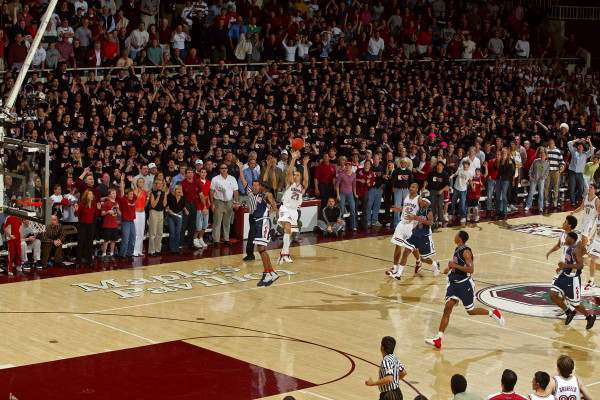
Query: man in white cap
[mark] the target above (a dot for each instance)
(283, 160)
(199, 164)
(153, 170)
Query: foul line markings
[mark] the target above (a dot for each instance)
(115, 328)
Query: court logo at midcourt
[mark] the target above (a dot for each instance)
(535, 229)
(532, 299)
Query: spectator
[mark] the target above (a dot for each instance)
(458, 385)
(464, 177)
(331, 221)
(522, 47)
(30, 241)
(325, 180)
(375, 193)
(52, 239)
(202, 210)
(175, 209)
(86, 211)
(142, 199)
(346, 193)
(192, 192)
(576, 167)
(508, 382)
(273, 175)
(127, 205)
(557, 166)
(422, 169)
(110, 234)
(506, 174)
(538, 173)
(376, 47)
(402, 178)
(496, 46)
(17, 51)
(223, 199)
(438, 183)
(365, 179)
(158, 204)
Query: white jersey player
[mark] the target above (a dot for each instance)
(594, 252)
(540, 383)
(565, 385)
(292, 200)
(404, 229)
(590, 207)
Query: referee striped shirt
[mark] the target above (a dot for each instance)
(251, 199)
(390, 365)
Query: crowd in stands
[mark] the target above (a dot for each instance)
(139, 148)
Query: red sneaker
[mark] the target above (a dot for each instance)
(435, 342)
(496, 315)
(589, 285)
(390, 271)
(418, 267)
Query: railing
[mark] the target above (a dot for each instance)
(575, 13)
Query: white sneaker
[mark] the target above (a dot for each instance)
(477, 219)
(197, 243)
(270, 278)
(280, 259)
(391, 271)
(446, 218)
(202, 243)
(288, 259)
(436, 268)
(398, 274)
(469, 216)
(527, 208)
(463, 221)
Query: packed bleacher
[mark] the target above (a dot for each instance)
(383, 94)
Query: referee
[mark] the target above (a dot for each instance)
(252, 193)
(390, 372)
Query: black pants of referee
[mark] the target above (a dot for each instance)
(251, 235)
(395, 394)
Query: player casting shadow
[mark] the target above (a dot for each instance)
(442, 368)
(575, 334)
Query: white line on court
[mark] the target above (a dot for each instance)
(592, 384)
(461, 317)
(317, 395)
(6, 366)
(287, 283)
(116, 329)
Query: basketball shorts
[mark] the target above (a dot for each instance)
(472, 202)
(570, 287)
(201, 220)
(586, 227)
(402, 233)
(110, 234)
(594, 249)
(422, 243)
(463, 291)
(263, 232)
(286, 214)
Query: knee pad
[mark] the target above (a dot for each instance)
(261, 251)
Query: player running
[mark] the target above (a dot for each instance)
(265, 204)
(404, 229)
(461, 287)
(292, 200)
(420, 243)
(591, 207)
(568, 283)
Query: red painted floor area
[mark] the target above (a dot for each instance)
(236, 248)
(172, 370)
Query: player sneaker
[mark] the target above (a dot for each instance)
(272, 277)
(436, 268)
(391, 271)
(435, 342)
(496, 315)
(418, 267)
(570, 315)
(591, 319)
(589, 285)
(262, 280)
(280, 259)
(287, 258)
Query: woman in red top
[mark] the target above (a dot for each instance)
(365, 179)
(86, 211)
(422, 170)
(492, 174)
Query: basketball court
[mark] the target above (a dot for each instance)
(202, 329)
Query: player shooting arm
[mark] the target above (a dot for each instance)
(290, 170)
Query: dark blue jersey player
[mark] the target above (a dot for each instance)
(461, 287)
(420, 243)
(265, 204)
(568, 283)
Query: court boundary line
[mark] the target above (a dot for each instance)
(314, 394)
(463, 318)
(294, 282)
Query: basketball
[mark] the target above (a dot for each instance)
(298, 144)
